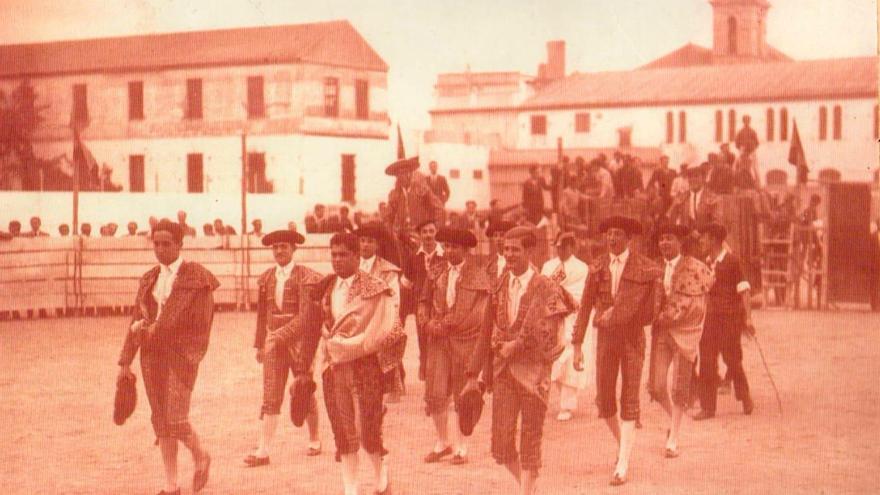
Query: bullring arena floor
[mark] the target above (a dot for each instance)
(56, 399)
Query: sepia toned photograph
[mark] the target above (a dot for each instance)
(415, 247)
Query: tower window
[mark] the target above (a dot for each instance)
(770, 124)
(823, 123)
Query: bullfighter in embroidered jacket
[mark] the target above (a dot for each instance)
(454, 300)
(676, 332)
(359, 344)
(623, 289)
(522, 334)
(280, 303)
(171, 326)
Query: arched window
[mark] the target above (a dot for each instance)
(731, 35)
(731, 123)
(670, 128)
(682, 127)
(823, 123)
(719, 126)
(783, 124)
(838, 123)
(777, 177)
(770, 124)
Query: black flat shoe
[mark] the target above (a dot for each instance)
(704, 415)
(176, 492)
(200, 478)
(436, 456)
(748, 406)
(254, 461)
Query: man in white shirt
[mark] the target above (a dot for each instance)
(280, 303)
(571, 274)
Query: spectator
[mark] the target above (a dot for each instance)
(110, 230)
(187, 230)
(36, 223)
(291, 226)
(660, 184)
(628, 179)
(533, 196)
(720, 179)
(570, 206)
(15, 228)
(617, 162)
(132, 229)
(229, 230)
(153, 223)
(208, 230)
(603, 177)
(344, 221)
(438, 183)
(64, 230)
(257, 224)
(727, 156)
(219, 228)
(85, 230)
(470, 220)
(455, 220)
(747, 142)
(680, 184)
(317, 222)
(496, 213)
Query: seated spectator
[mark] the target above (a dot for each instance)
(187, 230)
(257, 224)
(64, 230)
(85, 230)
(208, 230)
(36, 223)
(15, 228)
(132, 229)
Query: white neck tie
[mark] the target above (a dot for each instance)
(615, 274)
(450, 286)
(515, 289)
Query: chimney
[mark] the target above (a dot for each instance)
(542, 72)
(556, 59)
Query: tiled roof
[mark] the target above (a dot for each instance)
(334, 43)
(509, 157)
(780, 81)
(690, 55)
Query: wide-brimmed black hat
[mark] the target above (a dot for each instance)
(564, 237)
(470, 407)
(403, 166)
(125, 399)
(462, 237)
(629, 225)
(680, 231)
(301, 392)
(288, 236)
(499, 228)
(714, 230)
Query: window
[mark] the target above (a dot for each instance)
(670, 127)
(823, 123)
(331, 97)
(255, 103)
(257, 182)
(136, 173)
(195, 182)
(478, 174)
(731, 124)
(731, 36)
(582, 122)
(454, 173)
(624, 137)
(135, 100)
(539, 125)
(682, 127)
(348, 178)
(362, 99)
(719, 126)
(783, 124)
(770, 124)
(80, 104)
(838, 123)
(193, 98)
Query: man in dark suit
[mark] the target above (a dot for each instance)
(533, 195)
(728, 313)
(438, 183)
(623, 289)
(411, 202)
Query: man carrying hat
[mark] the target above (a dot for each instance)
(571, 275)
(171, 325)
(281, 303)
(728, 312)
(522, 328)
(679, 325)
(454, 301)
(622, 288)
(411, 202)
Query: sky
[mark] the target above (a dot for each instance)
(420, 39)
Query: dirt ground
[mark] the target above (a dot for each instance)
(56, 401)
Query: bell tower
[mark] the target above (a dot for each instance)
(740, 30)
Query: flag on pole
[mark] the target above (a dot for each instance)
(85, 166)
(797, 157)
(401, 154)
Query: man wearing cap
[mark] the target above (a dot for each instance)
(522, 329)
(171, 325)
(571, 275)
(454, 300)
(360, 326)
(675, 336)
(411, 202)
(622, 288)
(698, 205)
(281, 306)
(728, 313)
